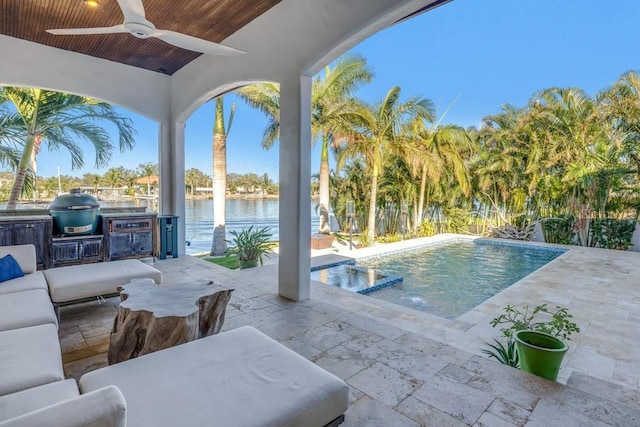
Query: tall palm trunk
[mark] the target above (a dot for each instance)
(21, 173)
(219, 245)
(324, 227)
(415, 213)
(423, 185)
(371, 225)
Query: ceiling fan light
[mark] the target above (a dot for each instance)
(92, 3)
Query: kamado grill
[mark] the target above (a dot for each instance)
(75, 213)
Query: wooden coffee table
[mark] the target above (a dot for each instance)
(153, 317)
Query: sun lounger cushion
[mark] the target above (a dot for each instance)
(25, 283)
(77, 282)
(29, 357)
(20, 403)
(28, 308)
(25, 256)
(236, 378)
(100, 408)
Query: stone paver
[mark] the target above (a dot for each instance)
(385, 384)
(407, 368)
(548, 414)
(458, 400)
(509, 412)
(426, 414)
(368, 412)
(489, 420)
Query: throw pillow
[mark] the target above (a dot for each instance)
(9, 268)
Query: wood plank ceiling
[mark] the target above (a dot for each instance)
(213, 20)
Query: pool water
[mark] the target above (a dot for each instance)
(450, 278)
(353, 278)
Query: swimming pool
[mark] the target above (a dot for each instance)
(450, 278)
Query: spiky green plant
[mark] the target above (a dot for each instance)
(505, 354)
(250, 244)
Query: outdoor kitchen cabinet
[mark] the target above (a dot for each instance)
(129, 235)
(76, 250)
(21, 230)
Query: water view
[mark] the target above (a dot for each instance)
(241, 213)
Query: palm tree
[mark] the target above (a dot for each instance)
(219, 244)
(56, 119)
(576, 136)
(506, 168)
(439, 150)
(92, 179)
(375, 132)
(9, 155)
(114, 177)
(147, 170)
(330, 99)
(195, 177)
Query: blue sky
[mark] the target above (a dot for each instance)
(485, 53)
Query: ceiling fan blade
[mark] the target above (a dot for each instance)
(86, 31)
(133, 10)
(195, 44)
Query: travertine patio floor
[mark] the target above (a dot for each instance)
(407, 368)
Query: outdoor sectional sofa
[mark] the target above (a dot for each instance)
(236, 378)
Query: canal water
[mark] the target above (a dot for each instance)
(241, 213)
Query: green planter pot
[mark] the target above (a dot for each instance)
(248, 263)
(540, 354)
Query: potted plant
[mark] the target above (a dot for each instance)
(250, 246)
(532, 345)
(540, 354)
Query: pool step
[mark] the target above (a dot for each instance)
(599, 400)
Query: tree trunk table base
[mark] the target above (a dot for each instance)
(154, 317)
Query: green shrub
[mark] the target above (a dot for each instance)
(391, 238)
(457, 220)
(611, 233)
(365, 240)
(426, 229)
(559, 229)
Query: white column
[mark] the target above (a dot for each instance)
(294, 261)
(171, 167)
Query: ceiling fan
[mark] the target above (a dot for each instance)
(137, 25)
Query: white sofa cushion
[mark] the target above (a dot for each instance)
(28, 308)
(24, 254)
(28, 282)
(101, 408)
(20, 403)
(89, 280)
(236, 378)
(29, 357)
